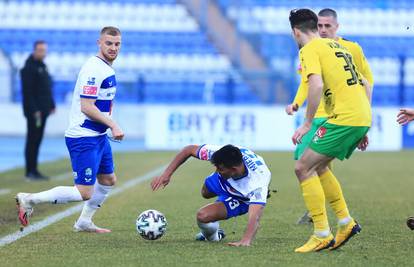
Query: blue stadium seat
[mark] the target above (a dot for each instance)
(80, 41)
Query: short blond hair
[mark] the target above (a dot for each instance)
(110, 30)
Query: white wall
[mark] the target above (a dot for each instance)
(171, 127)
(130, 117)
(263, 128)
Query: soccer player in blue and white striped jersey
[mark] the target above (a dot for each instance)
(86, 139)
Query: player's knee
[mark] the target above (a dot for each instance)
(322, 169)
(106, 179)
(203, 216)
(300, 170)
(112, 180)
(86, 195)
(85, 191)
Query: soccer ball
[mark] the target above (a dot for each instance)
(151, 224)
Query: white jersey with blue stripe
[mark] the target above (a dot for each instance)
(253, 187)
(96, 80)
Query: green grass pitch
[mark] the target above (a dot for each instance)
(377, 186)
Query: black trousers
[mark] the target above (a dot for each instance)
(35, 130)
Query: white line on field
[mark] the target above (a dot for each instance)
(4, 191)
(70, 211)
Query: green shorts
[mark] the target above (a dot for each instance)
(307, 138)
(337, 141)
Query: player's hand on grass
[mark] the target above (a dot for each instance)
(299, 133)
(405, 116)
(292, 108)
(160, 181)
(364, 143)
(240, 243)
(117, 133)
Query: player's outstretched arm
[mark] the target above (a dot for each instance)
(89, 109)
(180, 158)
(255, 212)
(405, 116)
(314, 98)
(300, 98)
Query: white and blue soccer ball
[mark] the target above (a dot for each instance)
(151, 224)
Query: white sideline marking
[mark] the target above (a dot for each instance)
(4, 191)
(5, 240)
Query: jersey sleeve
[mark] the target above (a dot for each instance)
(309, 60)
(89, 81)
(301, 93)
(365, 68)
(259, 194)
(205, 152)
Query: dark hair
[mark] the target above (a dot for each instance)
(227, 156)
(110, 30)
(328, 12)
(38, 42)
(304, 20)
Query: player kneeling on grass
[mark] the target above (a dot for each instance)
(240, 184)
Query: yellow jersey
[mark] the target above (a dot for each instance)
(361, 64)
(344, 96)
(359, 59)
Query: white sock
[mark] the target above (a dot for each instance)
(322, 234)
(344, 221)
(209, 230)
(100, 192)
(56, 195)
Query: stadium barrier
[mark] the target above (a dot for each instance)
(169, 127)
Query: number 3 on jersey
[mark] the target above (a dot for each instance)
(233, 203)
(349, 66)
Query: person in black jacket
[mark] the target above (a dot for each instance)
(38, 104)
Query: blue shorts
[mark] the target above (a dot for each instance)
(234, 206)
(90, 156)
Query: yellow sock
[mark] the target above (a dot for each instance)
(333, 194)
(315, 202)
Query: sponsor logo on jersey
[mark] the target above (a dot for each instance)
(204, 155)
(91, 81)
(90, 90)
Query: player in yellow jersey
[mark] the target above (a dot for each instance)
(327, 28)
(329, 71)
